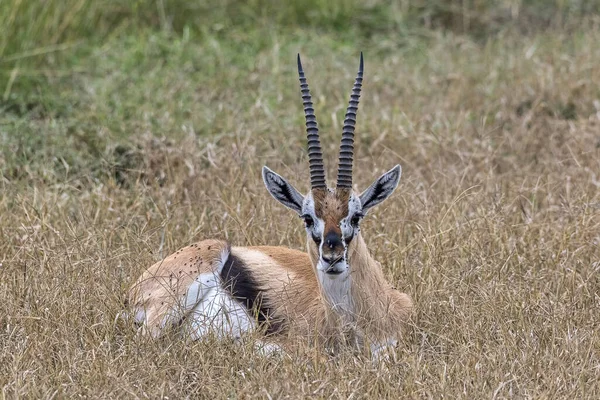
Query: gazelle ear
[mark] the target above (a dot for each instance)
(282, 191)
(381, 189)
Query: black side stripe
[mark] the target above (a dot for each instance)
(238, 280)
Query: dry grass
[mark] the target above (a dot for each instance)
(494, 231)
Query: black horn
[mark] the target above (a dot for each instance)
(344, 179)
(315, 154)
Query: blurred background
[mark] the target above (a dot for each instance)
(99, 72)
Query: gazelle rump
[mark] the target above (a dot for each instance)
(336, 292)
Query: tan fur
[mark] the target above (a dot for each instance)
(331, 207)
(380, 309)
(162, 285)
(288, 276)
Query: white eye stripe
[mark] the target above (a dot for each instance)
(321, 245)
(308, 208)
(345, 247)
(354, 208)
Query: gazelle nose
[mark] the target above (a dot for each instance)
(333, 240)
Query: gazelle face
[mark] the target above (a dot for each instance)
(331, 217)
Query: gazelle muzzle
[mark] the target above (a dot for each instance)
(332, 253)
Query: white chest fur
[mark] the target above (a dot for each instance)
(337, 291)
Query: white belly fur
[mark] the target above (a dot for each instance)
(215, 311)
(212, 310)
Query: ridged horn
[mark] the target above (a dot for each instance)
(315, 154)
(344, 179)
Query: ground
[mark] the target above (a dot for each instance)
(120, 144)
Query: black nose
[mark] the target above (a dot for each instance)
(333, 240)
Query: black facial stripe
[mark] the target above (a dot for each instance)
(349, 238)
(317, 239)
(238, 281)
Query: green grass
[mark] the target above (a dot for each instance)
(123, 126)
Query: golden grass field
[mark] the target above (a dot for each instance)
(137, 148)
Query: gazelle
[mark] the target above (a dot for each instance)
(336, 290)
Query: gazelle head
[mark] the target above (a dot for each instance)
(331, 216)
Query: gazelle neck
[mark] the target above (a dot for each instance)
(358, 298)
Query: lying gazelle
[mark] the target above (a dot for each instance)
(336, 291)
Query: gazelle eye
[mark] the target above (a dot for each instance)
(356, 219)
(308, 221)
